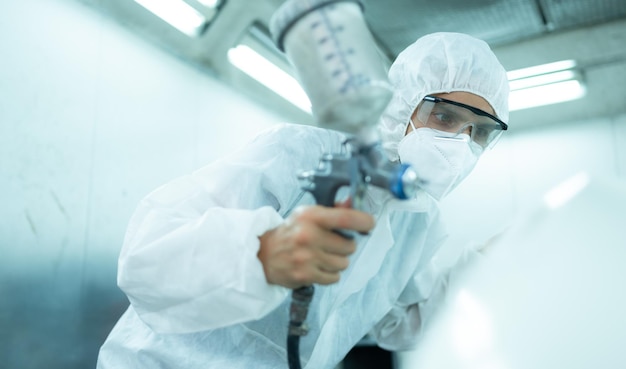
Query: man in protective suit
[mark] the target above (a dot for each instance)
(209, 259)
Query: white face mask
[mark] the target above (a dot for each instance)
(439, 159)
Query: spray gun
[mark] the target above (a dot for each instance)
(337, 63)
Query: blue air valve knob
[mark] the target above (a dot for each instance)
(406, 182)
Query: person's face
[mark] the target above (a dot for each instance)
(462, 97)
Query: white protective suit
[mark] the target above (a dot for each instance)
(198, 294)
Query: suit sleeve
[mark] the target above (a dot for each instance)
(189, 260)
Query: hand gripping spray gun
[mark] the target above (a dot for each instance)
(337, 63)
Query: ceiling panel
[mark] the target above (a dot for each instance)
(561, 14)
(398, 23)
(521, 32)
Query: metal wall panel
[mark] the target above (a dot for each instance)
(92, 118)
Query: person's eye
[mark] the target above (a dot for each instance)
(444, 119)
(480, 135)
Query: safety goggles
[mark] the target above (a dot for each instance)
(456, 118)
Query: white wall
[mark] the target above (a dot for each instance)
(91, 119)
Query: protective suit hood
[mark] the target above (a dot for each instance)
(441, 63)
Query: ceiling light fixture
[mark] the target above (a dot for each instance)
(267, 73)
(210, 3)
(544, 85)
(178, 14)
(541, 69)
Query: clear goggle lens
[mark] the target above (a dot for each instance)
(446, 116)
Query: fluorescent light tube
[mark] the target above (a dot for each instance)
(544, 85)
(543, 79)
(177, 13)
(540, 69)
(546, 94)
(210, 3)
(261, 69)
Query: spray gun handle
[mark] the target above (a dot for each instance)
(333, 173)
(301, 299)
